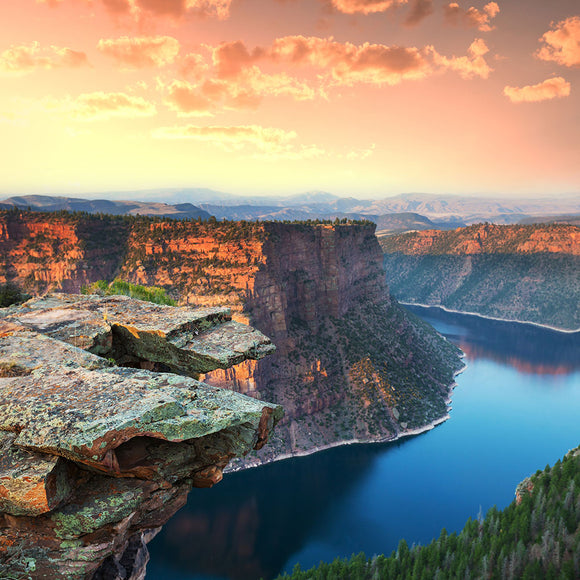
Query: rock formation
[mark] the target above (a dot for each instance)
(96, 457)
(528, 273)
(350, 364)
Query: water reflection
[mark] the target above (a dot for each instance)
(237, 531)
(366, 497)
(528, 348)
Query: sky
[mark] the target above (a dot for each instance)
(368, 98)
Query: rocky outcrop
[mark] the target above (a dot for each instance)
(135, 333)
(525, 273)
(96, 457)
(350, 364)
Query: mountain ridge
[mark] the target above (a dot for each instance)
(445, 210)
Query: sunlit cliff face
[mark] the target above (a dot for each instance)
(365, 97)
(343, 347)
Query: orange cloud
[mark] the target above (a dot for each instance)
(188, 100)
(28, 58)
(419, 11)
(365, 6)
(562, 43)
(236, 83)
(117, 6)
(101, 106)
(177, 8)
(349, 63)
(472, 65)
(200, 100)
(140, 52)
(244, 92)
(472, 17)
(193, 66)
(171, 8)
(230, 58)
(553, 88)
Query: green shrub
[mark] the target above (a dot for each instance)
(117, 286)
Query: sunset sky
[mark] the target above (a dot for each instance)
(368, 98)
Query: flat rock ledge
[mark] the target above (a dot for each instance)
(98, 449)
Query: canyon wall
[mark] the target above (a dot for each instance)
(59, 251)
(526, 273)
(350, 364)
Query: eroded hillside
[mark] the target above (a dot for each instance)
(529, 273)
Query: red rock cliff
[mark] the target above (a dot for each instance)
(489, 239)
(350, 365)
(58, 252)
(528, 273)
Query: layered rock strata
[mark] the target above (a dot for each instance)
(96, 457)
(350, 365)
(527, 273)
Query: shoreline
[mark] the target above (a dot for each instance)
(417, 431)
(466, 313)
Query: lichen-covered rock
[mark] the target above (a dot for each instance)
(94, 456)
(85, 414)
(183, 340)
(30, 483)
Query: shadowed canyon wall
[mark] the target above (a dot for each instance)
(528, 273)
(350, 365)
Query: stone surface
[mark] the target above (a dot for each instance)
(133, 332)
(30, 483)
(94, 456)
(85, 414)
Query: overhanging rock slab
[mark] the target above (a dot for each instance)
(30, 483)
(94, 455)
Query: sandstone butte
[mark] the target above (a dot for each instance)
(95, 457)
(350, 364)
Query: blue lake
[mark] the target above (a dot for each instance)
(516, 408)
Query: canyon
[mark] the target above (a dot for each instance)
(350, 364)
(525, 273)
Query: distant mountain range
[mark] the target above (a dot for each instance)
(404, 212)
(573, 220)
(111, 207)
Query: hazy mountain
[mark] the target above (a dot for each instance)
(395, 223)
(439, 211)
(453, 210)
(173, 195)
(554, 219)
(447, 208)
(112, 207)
